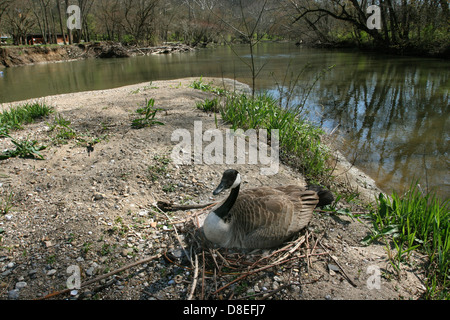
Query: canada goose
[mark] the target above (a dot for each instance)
(262, 217)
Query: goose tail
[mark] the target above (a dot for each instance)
(325, 195)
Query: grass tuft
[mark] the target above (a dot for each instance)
(16, 117)
(417, 221)
(300, 140)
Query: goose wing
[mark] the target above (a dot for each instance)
(265, 217)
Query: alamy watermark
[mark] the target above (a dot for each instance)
(74, 280)
(74, 20)
(229, 147)
(374, 280)
(374, 20)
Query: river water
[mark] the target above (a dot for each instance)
(391, 113)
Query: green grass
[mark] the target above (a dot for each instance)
(158, 170)
(207, 87)
(61, 130)
(300, 141)
(209, 105)
(416, 221)
(149, 119)
(6, 202)
(16, 117)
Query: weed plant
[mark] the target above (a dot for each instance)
(207, 87)
(209, 105)
(16, 117)
(149, 119)
(24, 149)
(62, 130)
(416, 221)
(6, 202)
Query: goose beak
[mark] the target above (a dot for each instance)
(219, 189)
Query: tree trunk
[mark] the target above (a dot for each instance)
(58, 6)
(69, 31)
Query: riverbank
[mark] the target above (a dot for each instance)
(20, 56)
(96, 209)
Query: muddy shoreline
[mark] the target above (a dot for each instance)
(21, 56)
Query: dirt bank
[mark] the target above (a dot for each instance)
(19, 56)
(97, 211)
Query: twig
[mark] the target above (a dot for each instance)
(252, 272)
(178, 237)
(276, 290)
(203, 275)
(340, 267)
(168, 206)
(272, 254)
(194, 282)
(308, 262)
(87, 283)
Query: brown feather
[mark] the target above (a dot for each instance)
(266, 217)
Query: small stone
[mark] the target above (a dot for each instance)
(333, 268)
(21, 285)
(32, 273)
(277, 278)
(127, 251)
(98, 196)
(90, 271)
(13, 294)
(51, 272)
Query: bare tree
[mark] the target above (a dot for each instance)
(4, 4)
(19, 21)
(251, 21)
(138, 18)
(402, 20)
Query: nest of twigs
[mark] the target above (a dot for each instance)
(220, 273)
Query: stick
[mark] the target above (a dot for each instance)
(203, 275)
(340, 267)
(252, 272)
(194, 283)
(87, 283)
(178, 237)
(167, 206)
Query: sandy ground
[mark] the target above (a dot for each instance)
(97, 211)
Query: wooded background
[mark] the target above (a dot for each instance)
(421, 25)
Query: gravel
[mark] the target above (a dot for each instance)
(98, 213)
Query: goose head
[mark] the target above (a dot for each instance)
(231, 179)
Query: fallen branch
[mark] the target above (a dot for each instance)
(194, 282)
(169, 206)
(87, 283)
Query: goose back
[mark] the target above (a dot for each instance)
(266, 217)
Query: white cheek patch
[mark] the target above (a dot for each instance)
(237, 181)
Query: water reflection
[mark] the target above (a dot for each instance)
(395, 118)
(392, 112)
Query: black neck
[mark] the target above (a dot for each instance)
(223, 210)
